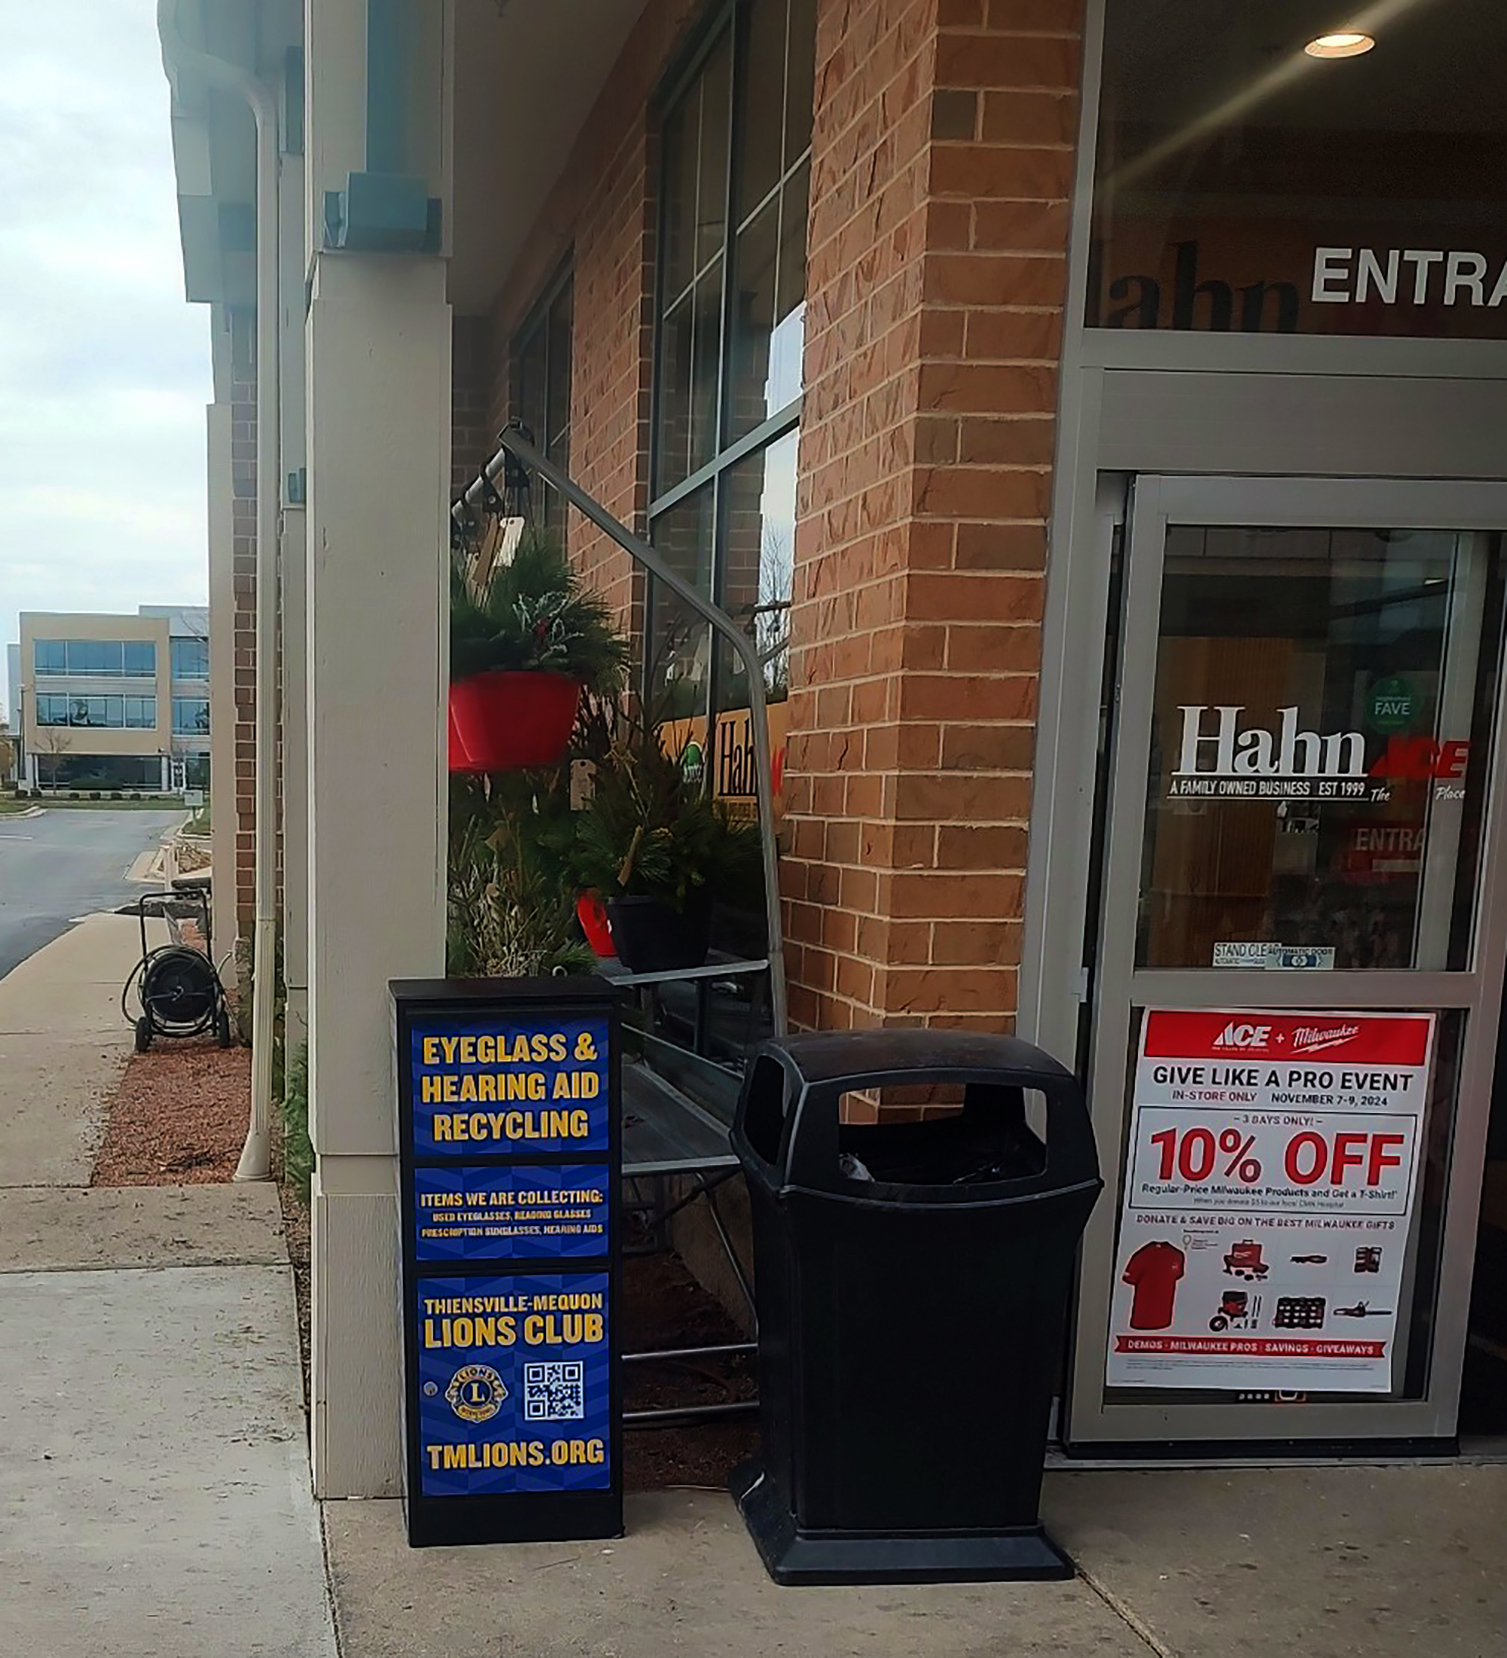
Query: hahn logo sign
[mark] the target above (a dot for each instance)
(1253, 752)
(1221, 756)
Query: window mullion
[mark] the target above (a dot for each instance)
(765, 433)
(784, 109)
(736, 140)
(735, 103)
(541, 437)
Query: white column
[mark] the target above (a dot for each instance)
(379, 382)
(166, 761)
(295, 732)
(379, 451)
(293, 564)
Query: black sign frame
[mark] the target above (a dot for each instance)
(525, 1516)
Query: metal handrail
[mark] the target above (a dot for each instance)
(514, 443)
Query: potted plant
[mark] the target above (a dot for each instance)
(655, 846)
(592, 742)
(510, 904)
(460, 761)
(596, 924)
(521, 651)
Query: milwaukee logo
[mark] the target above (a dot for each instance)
(1307, 1039)
(1252, 751)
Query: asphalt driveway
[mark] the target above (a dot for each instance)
(69, 862)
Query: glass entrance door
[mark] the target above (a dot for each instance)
(1299, 962)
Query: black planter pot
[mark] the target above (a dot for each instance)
(650, 937)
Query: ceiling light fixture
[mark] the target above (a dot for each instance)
(1343, 43)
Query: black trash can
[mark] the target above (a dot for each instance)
(912, 1281)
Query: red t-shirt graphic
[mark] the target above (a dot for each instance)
(1154, 1269)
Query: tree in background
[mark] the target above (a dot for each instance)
(53, 741)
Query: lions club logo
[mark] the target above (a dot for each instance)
(476, 1392)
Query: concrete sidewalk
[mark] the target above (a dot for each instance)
(154, 1480)
(1350, 1562)
(1292, 1563)
(63, 1046)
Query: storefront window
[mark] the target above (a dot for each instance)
(737, 147)
(1320, 743)
(543, 391)
(678, 659)
(693, 237)
(758, 561)
(1244, 185)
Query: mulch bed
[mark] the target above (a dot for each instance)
(663, 1306)
(177, 1117)
(296, 1234)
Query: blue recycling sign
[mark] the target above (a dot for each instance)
(508, 1103)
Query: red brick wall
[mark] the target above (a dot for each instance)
(942, 165)
(472, 432)
(602, 213)
(240, 793)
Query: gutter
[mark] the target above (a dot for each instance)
(180, 58)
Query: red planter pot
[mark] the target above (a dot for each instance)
(506, 721)
(591, 912)
(460, 761)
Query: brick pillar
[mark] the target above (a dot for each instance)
(472, 435)
(942, 163)
(242, 798)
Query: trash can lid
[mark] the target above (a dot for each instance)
(786, 1132)
(875, 1055)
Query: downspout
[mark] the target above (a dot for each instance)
(179, 58)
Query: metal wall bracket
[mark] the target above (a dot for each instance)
(382, 213)
(384, 208)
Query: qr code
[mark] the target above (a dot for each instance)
(554, 1392)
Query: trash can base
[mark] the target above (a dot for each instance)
(795, 1557)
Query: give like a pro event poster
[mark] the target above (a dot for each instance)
(1271, 1175)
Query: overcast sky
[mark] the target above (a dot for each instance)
(104, 369)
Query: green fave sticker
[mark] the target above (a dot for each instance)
(1393, 704)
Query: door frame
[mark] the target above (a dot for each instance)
(1155, 502)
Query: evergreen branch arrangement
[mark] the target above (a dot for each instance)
(511, 913)
(648, 829)
(535, 615)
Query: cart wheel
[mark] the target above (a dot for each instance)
(222, 1027)
(143, 1034)
(1219, 1322)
